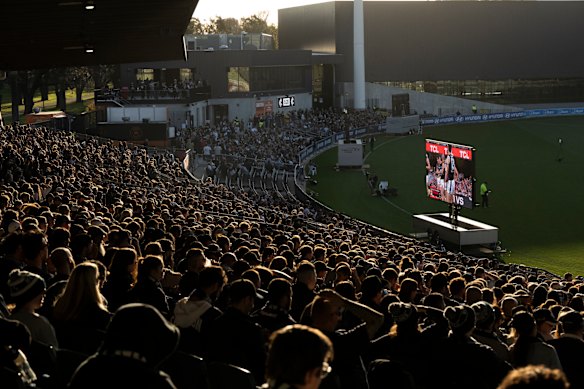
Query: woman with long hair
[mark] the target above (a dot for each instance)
(80, 312)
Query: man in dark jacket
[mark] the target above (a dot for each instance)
(234, 337)
(276, 313)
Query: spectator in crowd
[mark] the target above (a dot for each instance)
(138, 339)
(14, 338)
(80, 312)
(324, 313)
(484, 331)
(527, 349)
(195, 314)
(148, 288)
(234, 338)
(275, 314)
(570, 346)
(535, 376)
(303, 288)
(123, 273)
(299, 357)
(465, 362)
(27, 292)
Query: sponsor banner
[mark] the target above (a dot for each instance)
(458, 152)
(502, 116)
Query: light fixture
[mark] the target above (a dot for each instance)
(89, 49)
(89, 5)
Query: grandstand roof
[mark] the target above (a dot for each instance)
(48, 33)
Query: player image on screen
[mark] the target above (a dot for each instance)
(450, 173)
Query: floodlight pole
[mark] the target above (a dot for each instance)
(358, 55)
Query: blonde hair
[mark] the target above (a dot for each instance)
(81, 291)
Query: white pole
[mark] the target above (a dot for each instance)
(358, 55)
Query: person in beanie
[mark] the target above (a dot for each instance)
(138, 339)
(466, 362)
(485, 329)
(405, 343)
(27, 291)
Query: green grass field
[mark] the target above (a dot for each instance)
(537, 202)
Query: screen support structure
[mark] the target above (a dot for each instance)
(453, 212)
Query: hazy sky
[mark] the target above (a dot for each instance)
(207, 9)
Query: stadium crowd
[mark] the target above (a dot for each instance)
(117, 270)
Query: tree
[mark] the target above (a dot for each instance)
(195, 27)
(102, 75)
(78, 78)
(258, 23)
(219, 25)
(28, 83)
(255, 23)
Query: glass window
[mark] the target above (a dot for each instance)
(144, 74)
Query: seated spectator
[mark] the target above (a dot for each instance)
(570, 346)
(324, 313)
(138, 339)
(195, 314)
(527, 349)
(485, 329)
(80, 313)
(191, 266)
(123, 272)
(405, 344)
(299, 357)
(234, 338)
(275, 314)
(464, 361)
(36, 253)
(27, 291)
(303, 288)
(14, 338)
(148, 288)
(531, 377)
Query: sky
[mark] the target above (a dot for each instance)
(207, 9)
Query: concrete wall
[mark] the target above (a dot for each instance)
(380, 96)
(445, 40)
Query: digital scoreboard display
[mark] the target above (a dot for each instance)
(450, 173)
